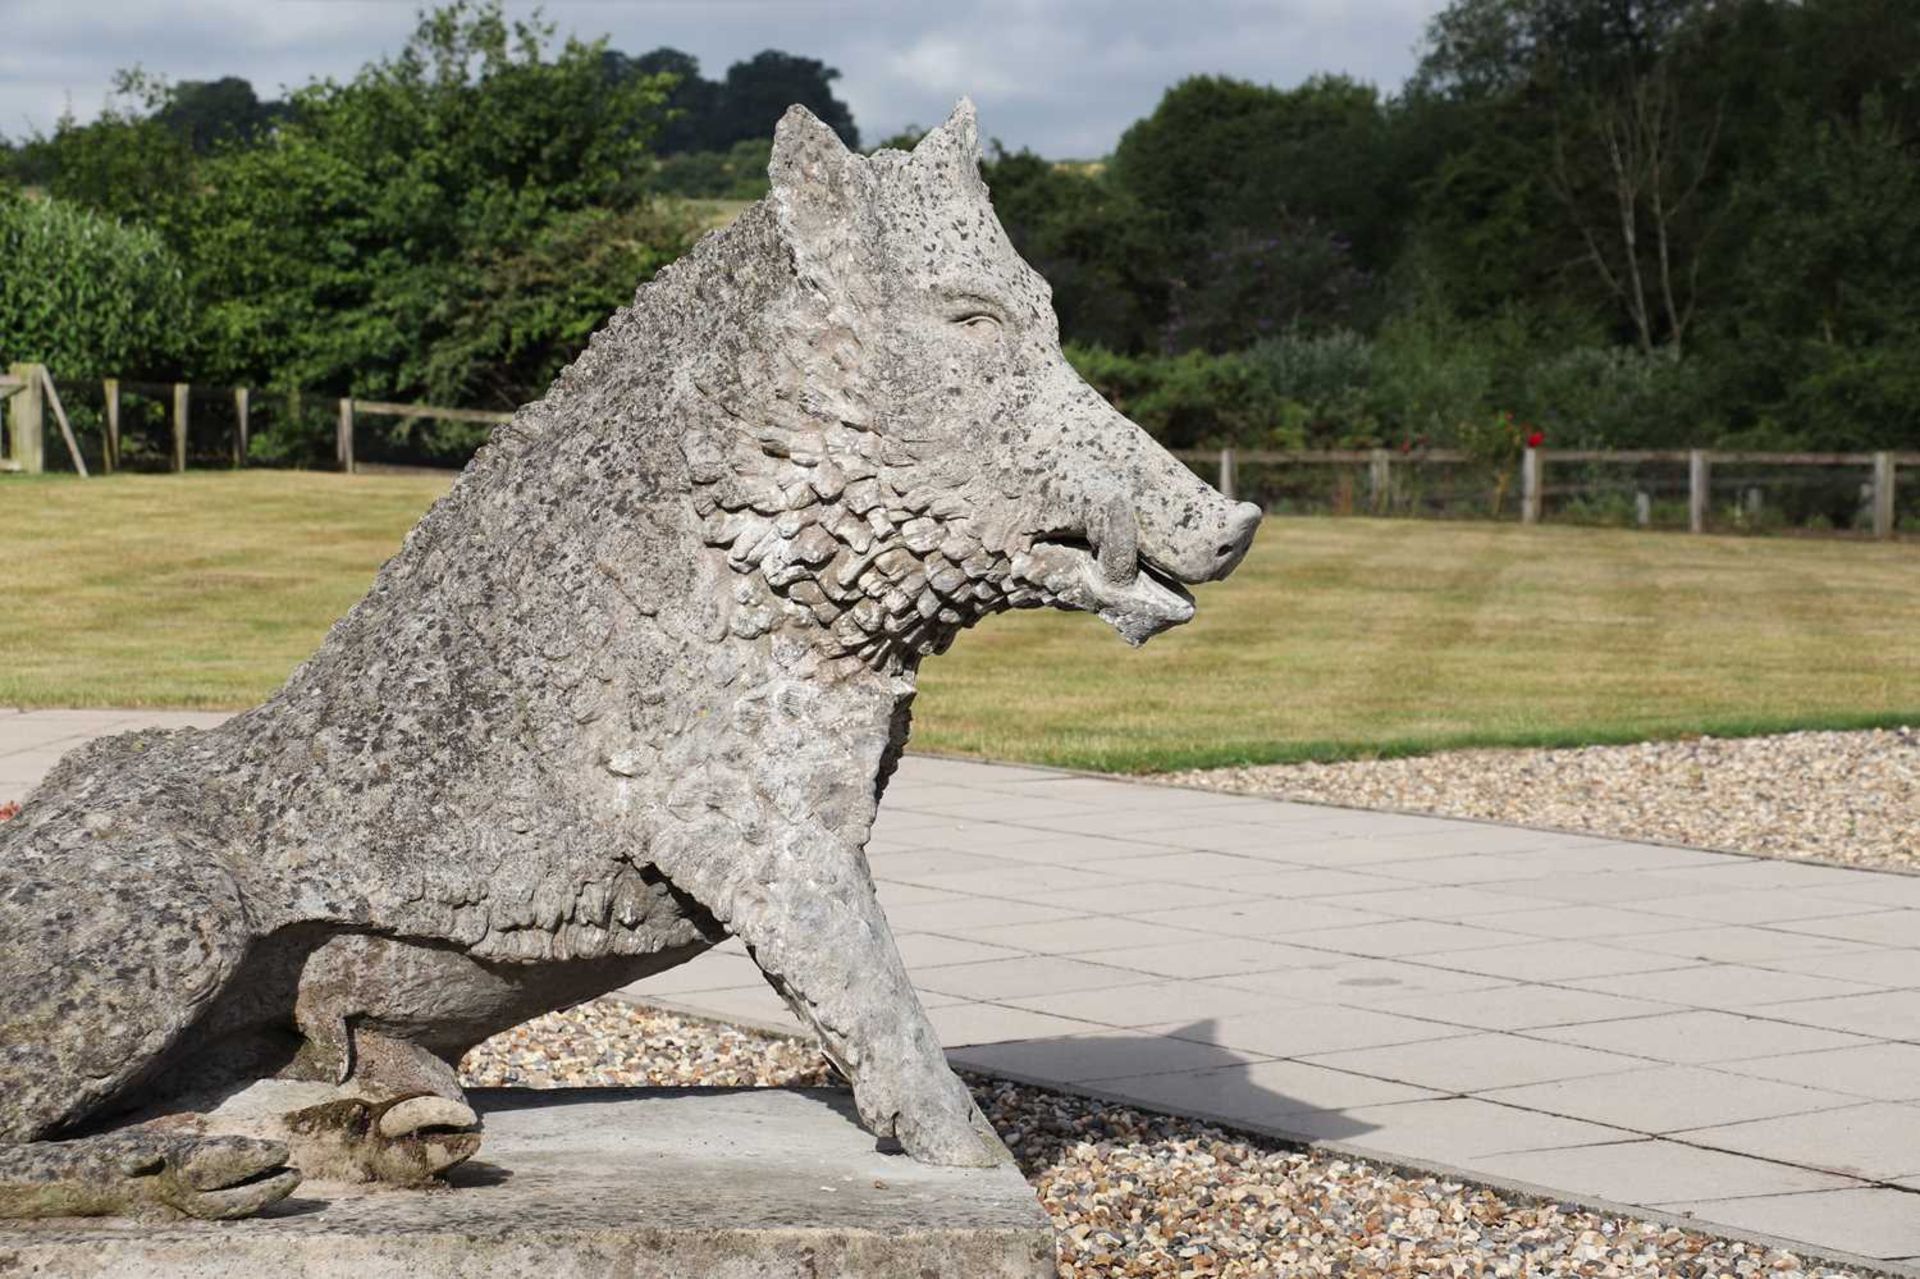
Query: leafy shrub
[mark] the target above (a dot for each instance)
(85, 295)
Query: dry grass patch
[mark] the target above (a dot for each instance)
(1339, 637)
(1344, 637)
(199, 590)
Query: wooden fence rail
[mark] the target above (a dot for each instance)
(29, 391)
(351, 408)
(1534, 464)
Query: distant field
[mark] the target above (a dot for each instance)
(716, 214)
(1339, 637)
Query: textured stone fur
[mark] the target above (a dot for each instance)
(634, 684)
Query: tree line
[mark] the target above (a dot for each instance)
(1632, 223)
(1624, 223)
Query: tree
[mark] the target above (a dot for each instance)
(707, 115)
(1822, 335)
(369, 244)
(758, 91)
(1630, 141)
(1267, 205)
(1219, 153)
(1092, 242)
(691, 102)
(210, 113)
(126, 164)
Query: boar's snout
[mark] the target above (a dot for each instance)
(1201, 538)
(1136, 526)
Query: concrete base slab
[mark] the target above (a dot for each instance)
(593, 1183)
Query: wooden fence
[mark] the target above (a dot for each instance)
(1534, 467)
(30, 393)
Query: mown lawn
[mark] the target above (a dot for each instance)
(1339, 637)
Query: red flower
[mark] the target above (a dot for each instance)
(1536, 438)
(9, 809)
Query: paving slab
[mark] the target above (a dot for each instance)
(1886, 1014)
(1520, 1007)
(1666, 1099)
(1149, 1005)
(1726, 986)
(609, 1184)
(1466, 1132)
(1262, 1091)
(1401, 938)
(1655, 1170)
(1879, 1072)
(1471, 1063)
(1669, 1028)
(1304, 1030)
(1700, 1035)
(1104, 1054)
(1877, 1140)
(1875, 1221)
(1362, 983)
(1210, 957)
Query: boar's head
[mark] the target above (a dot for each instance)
(913, 452)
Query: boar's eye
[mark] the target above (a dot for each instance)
(983, 324)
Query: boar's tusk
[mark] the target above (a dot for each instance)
(1117, 541)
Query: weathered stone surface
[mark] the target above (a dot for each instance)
(636, 683)
(679, 1184)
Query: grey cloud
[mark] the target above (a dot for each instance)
(1063, 77)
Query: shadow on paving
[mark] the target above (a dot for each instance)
(1203, 1080)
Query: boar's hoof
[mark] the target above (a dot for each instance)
(944, 1127)
(404, 1141)
(141, 1173)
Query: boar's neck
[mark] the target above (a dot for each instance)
(583, 617)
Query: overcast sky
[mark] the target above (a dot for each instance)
(1061, 76)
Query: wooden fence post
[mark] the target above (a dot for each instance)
(66, 427)
(1699, 489)
(1379, 480)
(180, 427)
(1531, 464)
(1883, 495)
(26, 421)
(110, 394)
(240, 407)
(1226, 473)
(343, 435)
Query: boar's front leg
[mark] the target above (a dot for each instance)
(804, 905)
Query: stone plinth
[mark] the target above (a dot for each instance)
(581, 1184)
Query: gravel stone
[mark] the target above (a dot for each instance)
(1134, 1193)
(1848, 798)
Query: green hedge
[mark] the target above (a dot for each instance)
(1419, 384)
(84, 294)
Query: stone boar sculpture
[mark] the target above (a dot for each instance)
(633, 685)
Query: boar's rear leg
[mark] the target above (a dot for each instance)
(110, 950)
(143, 1172)
(399, 1115)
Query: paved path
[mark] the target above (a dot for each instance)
(1689, 1032)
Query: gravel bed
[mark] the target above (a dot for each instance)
(1134, 1193)
(1850, 798)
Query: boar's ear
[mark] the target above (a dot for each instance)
(955, 144)
(806, 153)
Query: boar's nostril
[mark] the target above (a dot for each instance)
(1242, 525)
